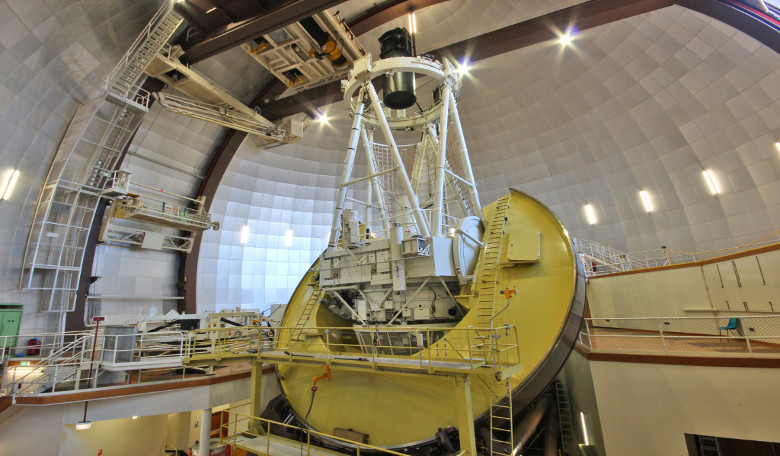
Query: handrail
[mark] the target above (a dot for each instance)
(750, 334)
(125, 60)
(431, 347)
(255, 422)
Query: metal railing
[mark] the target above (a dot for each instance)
(599, 259)
(256, 434)
(69, 361)
(747, 335)
(419, 348)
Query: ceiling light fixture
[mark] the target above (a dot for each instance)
(321, 118)
(567, 37)
(711, 181)
(288, 238)
(591, 214)
(777, 145)
(646, 200)
(9, 186)
(412, 23)
(135, 417)
(244, 234)
(83, 425)
(463, 66)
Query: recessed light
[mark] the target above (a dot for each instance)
(9, 185)
(646, 200)
(591, 214)
(708, 176)
(288, 238)
(244, 234)
(412, 23)
(584, 428)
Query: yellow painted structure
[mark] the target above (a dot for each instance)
(530, 251)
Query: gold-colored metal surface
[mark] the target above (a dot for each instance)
(397, 410)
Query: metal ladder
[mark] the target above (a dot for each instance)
(709, 446)
(128, 74)
(483, 343)
(501, 422)
(565, 424)
(490, 257)
(308, 309)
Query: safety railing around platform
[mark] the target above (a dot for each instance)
(402, 347)
(752, 335)
(77, 360)
(255, 435)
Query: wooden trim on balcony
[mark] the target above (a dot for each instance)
(132, 390)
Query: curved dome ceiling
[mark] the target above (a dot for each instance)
(646, 103)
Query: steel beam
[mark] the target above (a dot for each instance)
(237, 33)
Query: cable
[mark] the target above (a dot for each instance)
(311, 404)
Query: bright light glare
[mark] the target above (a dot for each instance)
(711, 181)
(463, 66)
(584, 429)
(646, 201)
(591, 214)
(322, 118)
(83, 425)
(412, 23)
(288, 238)
(135, 417)
(565, 39)
(452, 231)
(777, 145)
(9, 186)
(244, 234)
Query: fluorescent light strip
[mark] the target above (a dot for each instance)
(646, 200)
(591, 214)
(412, 23)
(9, 187)
(288, 238)
(244, 234)
(584, 428)
(711, 181)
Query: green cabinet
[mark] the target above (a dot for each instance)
(10, 318)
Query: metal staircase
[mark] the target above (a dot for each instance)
(500, 421)
(82, 166)
(60, 366)
(564, 420)
(490, 258)
(126, 77)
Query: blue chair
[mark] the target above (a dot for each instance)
(731, 326)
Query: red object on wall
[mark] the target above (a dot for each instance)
(33, 347)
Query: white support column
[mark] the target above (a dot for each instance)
(205, 433)
(464, 156)
(441, 160)
(422, 225)
(349, 163)
(368, 140)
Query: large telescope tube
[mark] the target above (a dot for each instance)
(398, 87)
